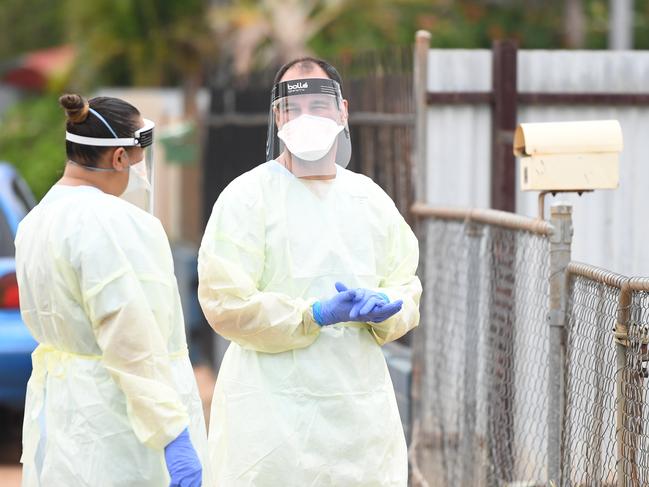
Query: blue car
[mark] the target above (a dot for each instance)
(16, 343)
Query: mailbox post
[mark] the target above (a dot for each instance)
(564, 157)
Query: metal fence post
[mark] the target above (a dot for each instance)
(621, 344)
(468, 443)
(418, 167)
(420, 89)
(595, 463)
(560, 240)
(505, 91)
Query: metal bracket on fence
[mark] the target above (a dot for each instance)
(621, 331)
(621, 337)
(621, 334)
(543, 194)
(555, 318)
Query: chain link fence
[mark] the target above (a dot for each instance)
(605, 441)
(530, 371)
(589, 454)
(483, 396)
(634, 393)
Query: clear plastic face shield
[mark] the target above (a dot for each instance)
(307, 127)
(139, 189)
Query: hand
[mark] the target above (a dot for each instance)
(182, 462)
(381, 312)
(336, 309)
(372, 306)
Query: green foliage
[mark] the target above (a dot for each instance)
(641, 24)
(138, 42)
(27, 25)
(536, 24)
(167, 42)
(32, 139)
(372, 24)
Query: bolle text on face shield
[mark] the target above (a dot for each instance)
(307, 127)
(139, 190)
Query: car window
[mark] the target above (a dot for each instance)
(7, 248)
(23, 196)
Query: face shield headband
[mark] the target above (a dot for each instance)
(142, 137)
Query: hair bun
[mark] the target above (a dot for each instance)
(76, 108)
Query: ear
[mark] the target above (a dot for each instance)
(120, 159)
(345, 110)
(276, 114)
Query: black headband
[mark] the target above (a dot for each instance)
(313, 86)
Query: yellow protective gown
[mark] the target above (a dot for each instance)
(296, 404)
(111, 383)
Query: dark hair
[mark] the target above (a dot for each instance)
(307, 64)
(120, 115)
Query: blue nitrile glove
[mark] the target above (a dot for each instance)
(336, 309)
(182, 462)
(373, 306)
(381, 312)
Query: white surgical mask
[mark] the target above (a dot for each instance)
(309, 137)
(138, 189)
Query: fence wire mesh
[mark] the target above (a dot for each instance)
(589, 448)
(484, 417)
(483, 402)
(605, 440)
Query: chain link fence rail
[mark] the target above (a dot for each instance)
(482, 401)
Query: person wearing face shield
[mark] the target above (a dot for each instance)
(112, 399)
(308, 268)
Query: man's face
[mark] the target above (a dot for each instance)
(291, 107)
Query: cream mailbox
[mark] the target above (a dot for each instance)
(569, 156)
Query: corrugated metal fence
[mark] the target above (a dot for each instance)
(551, 86)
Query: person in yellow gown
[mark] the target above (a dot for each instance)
(112, 400)
(308, 268)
